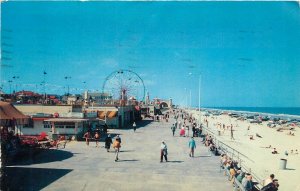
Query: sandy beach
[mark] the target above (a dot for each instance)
(263, 162)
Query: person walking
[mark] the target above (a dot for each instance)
(118, 138)
(248, 130)
(117, 146)
(231, 132)
(105, 128)
(192, 146)
(97, 138)
(194, 129)
(176, 123)
(187, 131)
(134, 126)
(163, 151)
(173, 128)
(87, 137)
(108, 142)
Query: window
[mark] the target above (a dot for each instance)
(29, 125)
(62, 125)
(47, 124)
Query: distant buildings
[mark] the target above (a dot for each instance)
(29, 97)
(74, 119)
(97, 97)
(71, 114)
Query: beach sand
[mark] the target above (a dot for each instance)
(263, 162)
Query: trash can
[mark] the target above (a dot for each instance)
(282, 165)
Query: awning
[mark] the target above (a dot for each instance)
(109, 114)
(40, 118)
(66, 120)
(101, 114)
(8, 113)
(112, 114)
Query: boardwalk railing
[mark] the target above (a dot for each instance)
(235, 155)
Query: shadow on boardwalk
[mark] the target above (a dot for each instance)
(140, 124)
(31, 179)
(43, 156)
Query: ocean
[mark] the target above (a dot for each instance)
(270, 110)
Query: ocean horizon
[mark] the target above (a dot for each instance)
(269, 110)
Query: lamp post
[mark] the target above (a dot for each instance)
(44, 82)
(84, 85)
(10, 81)
(199, 106)
(15, 78)
(68, 77)
(185, 98)
(190, 98)
(199, 99)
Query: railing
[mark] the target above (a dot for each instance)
(235, 155)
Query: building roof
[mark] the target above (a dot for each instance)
(26, 93)
(9, 112)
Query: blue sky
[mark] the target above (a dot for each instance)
(248, 53)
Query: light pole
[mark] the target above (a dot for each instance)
(185, 98)
(199, 100)
(68, 77)
(190, 98)
(44, 82)
(199, 106)
(15, 78)
(84, 85)
(10, 81)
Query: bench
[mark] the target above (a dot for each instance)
(238, 186)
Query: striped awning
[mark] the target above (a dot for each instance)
(112, 114)
(108, 114)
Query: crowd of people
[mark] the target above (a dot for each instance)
(116, 144)
(183, 121)
(244, 180)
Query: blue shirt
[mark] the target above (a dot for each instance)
(192, 143)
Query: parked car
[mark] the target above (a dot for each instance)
(255, 121)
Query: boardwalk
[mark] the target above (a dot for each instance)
(79, 167)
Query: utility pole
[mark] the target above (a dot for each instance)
(10, 81)
(68, 77)
(199, 106)
(15, 78)
(190, 98)
(44, 86)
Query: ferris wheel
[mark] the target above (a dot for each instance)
(126, 83)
